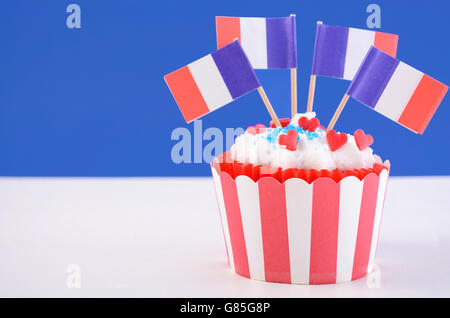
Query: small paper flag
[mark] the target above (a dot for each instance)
(339, 51)
(212, 81)
(397, 90)
(270, 43)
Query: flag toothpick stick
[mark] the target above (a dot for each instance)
(338, 112)
(269, 107)
(293, 92)
(293, 88)
(312, 88)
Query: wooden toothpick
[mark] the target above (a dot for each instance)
(293, 92)
(269, 107)
(312, 87)
(338, 112)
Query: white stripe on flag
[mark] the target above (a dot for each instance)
(254, 41)
(299, 196)
(248, 195)
(378, 212)
(210, 82)
(349, 208)
(398, 91)
(223, 215)
(358, 44)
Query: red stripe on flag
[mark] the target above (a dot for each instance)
(324, 232)
(227, 29)
(186, 93)
(274, 229)
(235, 225)
(423, 104)
(365, 226)
(386, 42)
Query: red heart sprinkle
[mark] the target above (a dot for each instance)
(289, 140)
(283, 121)
(313, 124)
(260, 128)
(303, 122)
(362, 140)
(251, 130)
(335, 140)
(308, 124)
(256, 129)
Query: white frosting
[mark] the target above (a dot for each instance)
(312, 151)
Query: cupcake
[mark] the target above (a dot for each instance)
(299, 205)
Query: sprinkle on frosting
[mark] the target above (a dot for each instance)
(290, 140)
(362, 140)
(283, 121)
(309, 124)
(336, 140)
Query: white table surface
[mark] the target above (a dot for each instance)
(162, 238)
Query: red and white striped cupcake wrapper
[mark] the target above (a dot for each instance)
(300, 233)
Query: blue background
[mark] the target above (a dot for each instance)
(92, 101)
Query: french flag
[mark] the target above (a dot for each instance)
(397, 90)
(339, 51)
(212, 81)
(270, 43)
